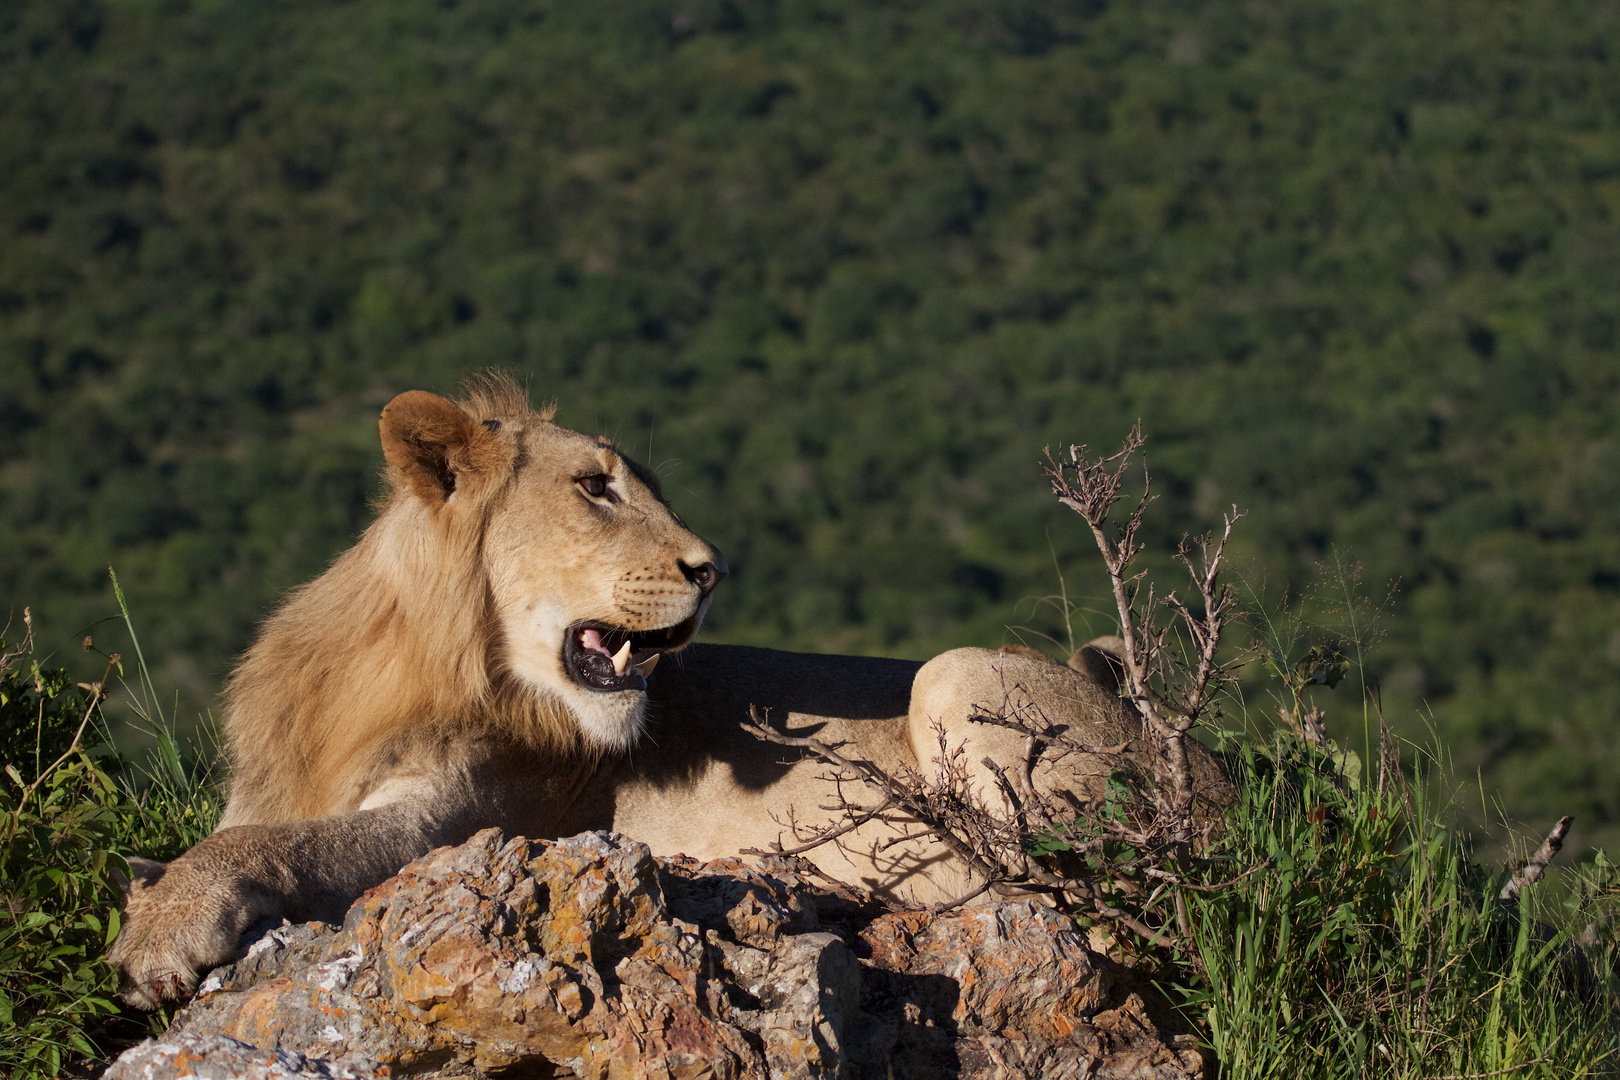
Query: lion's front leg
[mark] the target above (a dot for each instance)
(189, 916)
(186, 917)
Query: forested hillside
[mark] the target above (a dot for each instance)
(839, 270)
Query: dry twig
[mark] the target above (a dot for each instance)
(1171, 697)
(1531, 871)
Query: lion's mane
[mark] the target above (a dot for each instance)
(394, 647)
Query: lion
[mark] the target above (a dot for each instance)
(510, 644)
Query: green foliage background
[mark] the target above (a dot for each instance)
(840, 270)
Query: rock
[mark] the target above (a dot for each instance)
(588, 957)
(1016, 969)
(215, 1057)
(1019, 995)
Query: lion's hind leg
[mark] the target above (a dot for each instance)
(985, 704)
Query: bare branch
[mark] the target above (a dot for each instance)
(1170, 697)
(1220, 886)
(1050, 737)
(851, 825)
(877, 778)
(98, 692)
(947, 905)
(1152, 936)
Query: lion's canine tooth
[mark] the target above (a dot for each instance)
(621, 659)
(646, 666)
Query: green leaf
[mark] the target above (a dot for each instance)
(1045, 844)
(1321, 666)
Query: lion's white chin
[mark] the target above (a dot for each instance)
(605, 721)
(609, 721)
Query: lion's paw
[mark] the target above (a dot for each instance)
(180, 921)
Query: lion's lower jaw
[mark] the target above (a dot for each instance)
(608, 721)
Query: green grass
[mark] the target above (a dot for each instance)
(1376, 943)
(1375, 946)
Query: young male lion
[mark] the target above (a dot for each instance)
(486, 655)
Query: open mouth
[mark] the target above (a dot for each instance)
(604, 658)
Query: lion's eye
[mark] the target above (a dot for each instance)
(595, 486)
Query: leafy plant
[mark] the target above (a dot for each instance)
(59, 896)
(70, 809)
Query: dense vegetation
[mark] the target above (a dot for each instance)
(71, 809)
(839, 270)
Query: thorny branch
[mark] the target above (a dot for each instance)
(902, 791)
(947, 811)
(1171, 696)
(855, 821)
(1132, 846)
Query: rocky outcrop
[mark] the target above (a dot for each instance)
(588, 957)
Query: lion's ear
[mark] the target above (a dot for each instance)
(143, 872)
(1103, 659)
(436, 445)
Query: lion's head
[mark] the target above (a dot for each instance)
(520, 577)
(591, 576)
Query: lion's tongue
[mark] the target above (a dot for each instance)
(591, 639)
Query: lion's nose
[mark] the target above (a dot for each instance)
(706, 575)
